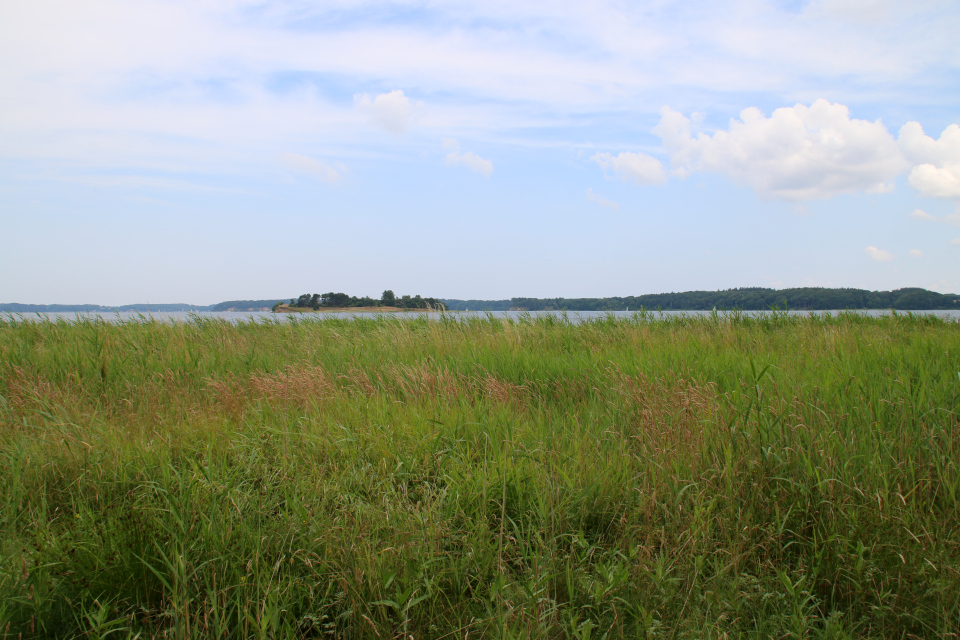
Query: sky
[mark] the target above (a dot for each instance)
(206, 150)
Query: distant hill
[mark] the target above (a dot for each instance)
(747, 299)
(16, 307)
(247, 305)
(230, 305)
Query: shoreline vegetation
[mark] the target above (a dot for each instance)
(743, 299)
(674, 477)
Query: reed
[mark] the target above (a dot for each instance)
(724, 476)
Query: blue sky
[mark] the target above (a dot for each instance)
(207, 150)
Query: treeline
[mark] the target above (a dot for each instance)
(747, 299)
(342, 300)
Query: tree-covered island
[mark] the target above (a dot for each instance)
(389, 301)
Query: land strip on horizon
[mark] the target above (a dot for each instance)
(744, 298)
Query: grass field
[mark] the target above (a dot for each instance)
(453, 477)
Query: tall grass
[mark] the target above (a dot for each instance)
(714, 477)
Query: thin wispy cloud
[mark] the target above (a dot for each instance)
(600, 200)
(312, 167)
(951, 219)
(222, 67)
(880, 255)
(467, 159)
(638, 168)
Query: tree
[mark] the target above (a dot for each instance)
(388, 298)
(332, 299)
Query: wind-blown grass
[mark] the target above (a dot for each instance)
(723, 476)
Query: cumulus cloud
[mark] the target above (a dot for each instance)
(392, 111)
(916, 253)
(595, 197)
(307, 165)
(936, 182)
(919, 147)
(937, 170)
(920, 214)
(798, 153)
(639, 167)
(879, 254)
(468, 159)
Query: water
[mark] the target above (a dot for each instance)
(266, 316)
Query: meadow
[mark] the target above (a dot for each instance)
(724, 476)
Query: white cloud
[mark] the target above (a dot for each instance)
(870, 11)
(955, 242)
(468, 159)
(916, 253)
(879, 254)
(798, 153)
(952, 219)
(392, 111)
(639, 167)
(309, 166)
(936, 182)
(937, 170)
(919, 147)
(594, 197)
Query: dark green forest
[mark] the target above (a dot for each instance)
(342, 300)
(746, 299)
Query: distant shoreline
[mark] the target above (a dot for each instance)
(743, 299)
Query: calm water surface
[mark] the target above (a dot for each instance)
(266, 316)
